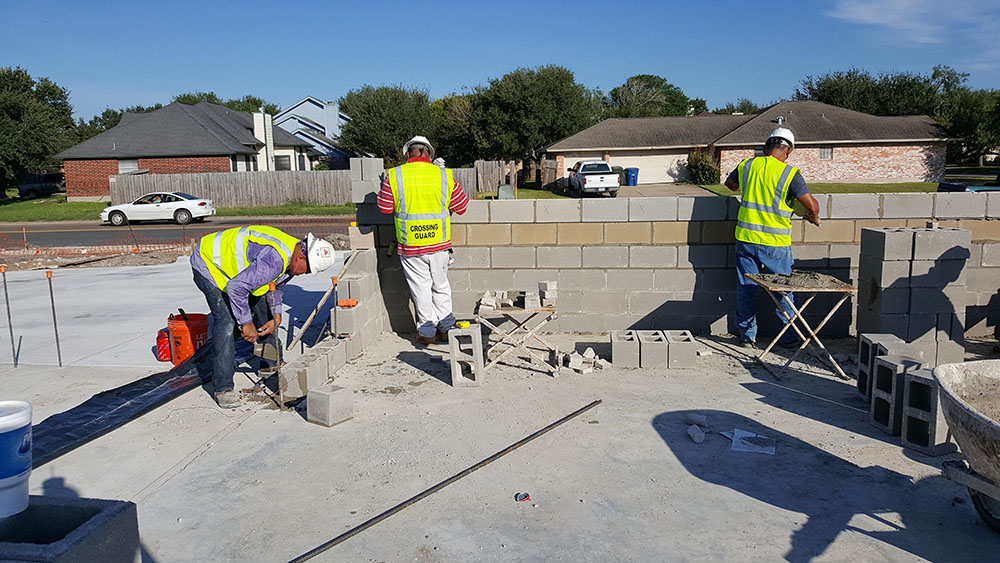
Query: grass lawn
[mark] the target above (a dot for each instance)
(848, 188)
(291, 208)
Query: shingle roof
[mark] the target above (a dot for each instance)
(651, 132)
(178, 130)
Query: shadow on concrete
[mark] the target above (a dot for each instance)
(300, 303)
(437, 367)
(830, 491)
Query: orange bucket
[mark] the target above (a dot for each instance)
(187, 336)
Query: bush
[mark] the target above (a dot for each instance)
(702, 168)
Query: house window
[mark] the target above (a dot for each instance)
(283, 162)
(128, 165)
(302, 162)
(826, 153)
(251, 163)
(233, 164)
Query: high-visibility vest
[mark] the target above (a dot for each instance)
(765, 217)
(421, 194)
(225, 252)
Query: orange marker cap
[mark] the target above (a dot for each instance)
(271, 286)
(48, 274)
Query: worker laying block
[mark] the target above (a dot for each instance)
(233, 268)
(771, 190)
(422, 196)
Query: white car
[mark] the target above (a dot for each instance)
(176, 206)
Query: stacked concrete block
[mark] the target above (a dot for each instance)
(868, 349)
(924, 428)
(548, 292)
(329, 405)
(624, 349)
(466, 345)
(306, 372)
(652, 349)
(368, 319)
(887, 391)
(911, 283)
(682, 349)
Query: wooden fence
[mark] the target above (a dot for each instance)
(485, 176)
(229, 189)
(550, 171)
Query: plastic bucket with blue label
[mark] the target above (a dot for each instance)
(15, 456)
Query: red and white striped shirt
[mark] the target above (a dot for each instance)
(387, 205)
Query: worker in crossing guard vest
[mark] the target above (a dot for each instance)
(422, 196)
(772, 191)
(233, 268)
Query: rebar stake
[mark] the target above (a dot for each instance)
(6, 299)
(55, 324)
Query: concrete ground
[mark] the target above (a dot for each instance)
(622, 482)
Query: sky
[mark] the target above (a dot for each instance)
(118, 54)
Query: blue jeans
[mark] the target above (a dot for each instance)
(224, 330)
(753, 259)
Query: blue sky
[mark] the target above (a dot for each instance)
(116, 54)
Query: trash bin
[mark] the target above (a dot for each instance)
(631, 176)
(621, 174)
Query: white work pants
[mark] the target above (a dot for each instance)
(427, 276)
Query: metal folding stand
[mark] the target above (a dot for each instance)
(517, 338)
(771, 283)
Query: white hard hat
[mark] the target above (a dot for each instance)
(320, 253)
(418, 140)
(783, 133)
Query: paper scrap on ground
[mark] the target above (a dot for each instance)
(744, 441)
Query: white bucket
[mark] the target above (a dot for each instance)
(15, 456)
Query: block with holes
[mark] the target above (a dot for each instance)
(924, 428)
(466, 344)
(887, 391)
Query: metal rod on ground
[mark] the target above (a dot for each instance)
(6, 299)
(55, 324)
(333, 286)
(362, 527)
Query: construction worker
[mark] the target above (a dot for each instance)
(770, 189)
(422, 196)
(233, 268)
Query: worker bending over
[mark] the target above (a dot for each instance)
(422, 197)
(233, 268)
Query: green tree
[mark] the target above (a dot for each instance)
(383, 118)
(526, 109)
(647, 95)
(742, 105)
(106, 120)
(969, 114)
(36, 122)
(901, 93)
(248, 103)
(452, 118)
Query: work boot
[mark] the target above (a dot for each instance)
(426, 340)
(228, 399)
(749, 344)
(442, 337)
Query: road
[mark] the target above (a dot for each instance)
(92, 233)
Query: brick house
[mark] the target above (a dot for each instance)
(180, 139)
(832, 144)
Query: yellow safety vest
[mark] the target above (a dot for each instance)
(225, 252)
(421, 194)
(765, 217)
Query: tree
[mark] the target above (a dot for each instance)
(647, 95)
(106, 120)
(248, 103)
(901, 93)
(969, 114)
(36, 122)
(452, 118)
(527, 109)
(383, 118)
(742, 105)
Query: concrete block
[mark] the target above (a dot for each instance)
(364, 192)
(512, 211)
(883, 300)
(605, 256)
(600, 302)
(512, 257)
(372, 169)
(329, 405)
(478, 211)
(625, 349)
(61, 529)
(470, 257)
(959, 205)
(558, 210)
(869, 321)
(903, 205)
(631, 279)
(993, 205)
(702, 256)
(854, 206)
(991, 255)
(652, 257)
(355, 164)
(883, 273)
(702, 208)
(559, 256)
(951, 326)
(921, 326)
(924, 428)
(682, 349)
(886, 411)
(345, 320)
(887, 243)
(938, 300)
(922, 350)
(652, 349)
(941, 244)
(733, 207)
(676, 280)
(588, 280)
(368, 214)
(336, 355)
(466, 359)
(937, 273)
(652, 209)
(950, 352)
(605, 210)
(548, 286)
(868, 349)
(983, 279)
(361, 237)
(528, 279)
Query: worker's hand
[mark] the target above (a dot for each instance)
(249, 332)
(269, 327)
(813, 218)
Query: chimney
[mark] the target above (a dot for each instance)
(263, 130)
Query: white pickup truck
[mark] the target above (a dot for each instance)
(593, 176)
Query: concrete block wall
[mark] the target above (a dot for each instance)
(668, 262)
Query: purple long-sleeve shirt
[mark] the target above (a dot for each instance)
(265, 266)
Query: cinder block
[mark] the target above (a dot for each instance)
(631, 279)
(869, 321)
(883, 273)
(336, 354)
(548, 286)
(625, 349)
(924, 428)
(854, 206)
(868, 349)
(470, 257)
(883, 300)
(676, 280)
(558, 210)
(605, 257)
(66, 529)
(559, 256)
(306, 372)
(959, 205)
(364, 192)
(329, 405)
(941, 244)
(345, 320)
(587, 280)
(993, 205)
(702, 208)
(372, 169)
(950, 352)
(512, 211)
(921, 326)
(682, 349)
(605, 210)
(466, 345)
(938, 299)
(355, 164)
(951, 327)
(923, 350)
(937, 273)
(512, 257)
(702, 256)
(361, 237)
(478, 211)
(652, 209)
(887, 392)
(887, 243)
(368, 214)
(652, 349)
(991, 255)
(652, 257)
(903, 205)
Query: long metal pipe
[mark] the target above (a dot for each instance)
(364, 526)
(55, 323)
(10, 324)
